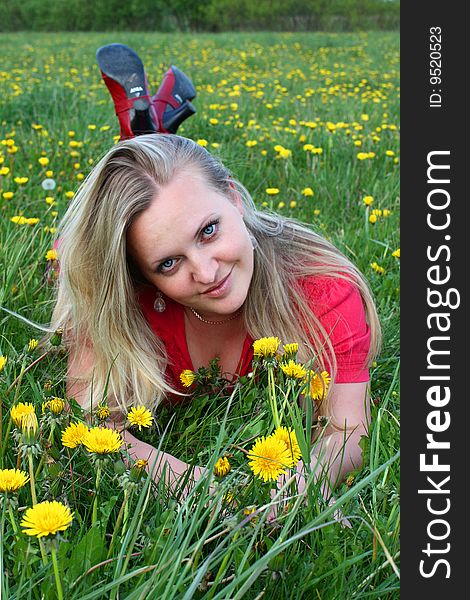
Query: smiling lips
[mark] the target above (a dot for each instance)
(217, 290)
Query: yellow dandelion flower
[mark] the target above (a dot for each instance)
(250, 143)
(187, 377)
(69, 195)
(21, 180)
(284, 153)
(51, 255)
(11, 480)
(46, 518)
(202, 142)
(3, 362)
(222, 467)
(368, 200)
(249, 510)
(228, 497)
(18, 219)
(103, 412)
(55, 405)
(141, 463)
(43, 161)
(269, 457)
(293, 369)
(19, 411)
(377, 268)
(32, 344)
(292, 204)
(272, 191)
(307, 191)
(287, 435)
(396, 254)
(373, 219)
(281, 205)
(319, 383)
(266, 346)
(7, 195)
(362, 156)
(74, 434)
(101, 440)
(140, 417)
(291, 349)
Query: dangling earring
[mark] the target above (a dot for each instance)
(159, 305)
(254, 241)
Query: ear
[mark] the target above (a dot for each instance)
(236, 199)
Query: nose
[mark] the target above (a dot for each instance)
(204, 268)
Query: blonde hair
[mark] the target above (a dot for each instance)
(97, 302)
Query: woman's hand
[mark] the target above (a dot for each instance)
(162, 462)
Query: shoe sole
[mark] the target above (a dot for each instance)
(122, 64)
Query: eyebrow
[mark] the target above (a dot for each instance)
(205, 221)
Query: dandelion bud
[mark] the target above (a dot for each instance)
(138, 470)
(222, 467)
(56, 337)
(55, 405)
(102, 412)
(29, 428)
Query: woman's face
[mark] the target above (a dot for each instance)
(192, 244)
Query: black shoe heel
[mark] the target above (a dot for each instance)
(172, 118)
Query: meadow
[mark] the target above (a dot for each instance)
(309, 123)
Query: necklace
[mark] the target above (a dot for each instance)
(198, 316)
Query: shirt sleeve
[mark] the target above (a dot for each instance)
(338, 306)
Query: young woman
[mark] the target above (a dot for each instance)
(165, 263)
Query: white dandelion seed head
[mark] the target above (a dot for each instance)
(48, 184)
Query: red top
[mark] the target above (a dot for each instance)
(335, 302)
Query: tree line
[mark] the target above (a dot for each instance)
(199, 15)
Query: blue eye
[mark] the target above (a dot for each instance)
(166, 265)
(210, 229)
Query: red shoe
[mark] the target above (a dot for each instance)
(124, 76)
(172, 101)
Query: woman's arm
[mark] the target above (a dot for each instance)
(79, 369)
(337, 449)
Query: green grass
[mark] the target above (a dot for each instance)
(333, 91)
